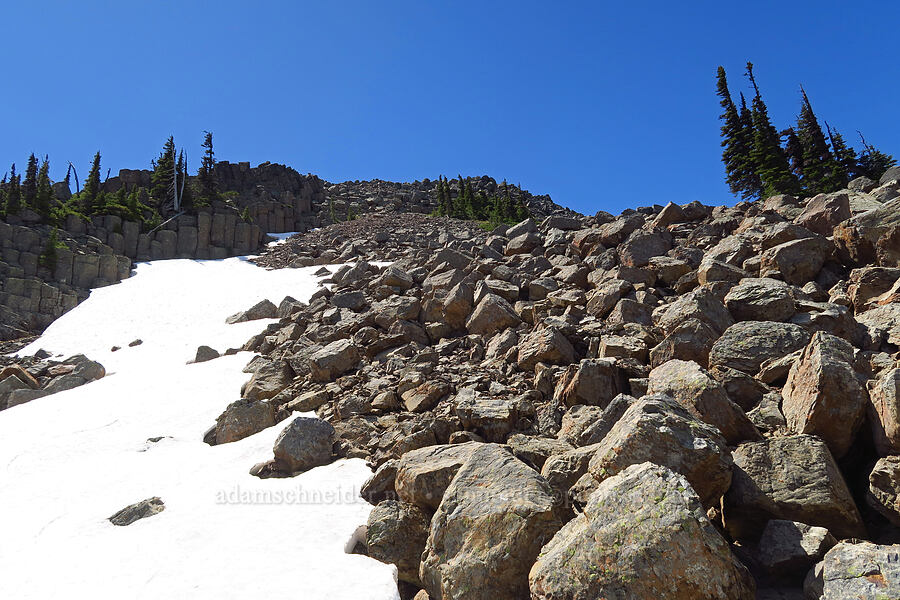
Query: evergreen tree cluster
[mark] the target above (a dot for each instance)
(802, 160)
(494, 210)
(144, 205)
(34, 192)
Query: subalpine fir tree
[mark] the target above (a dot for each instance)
(751, 184)
(183, 190)
(818, 163)
(89, 198)
(873, 162)
(735, 146)
(162, 179)
(43, 198)
(13, 192)
(29, 184)
(845, 159)
(793, 150)
(767, 154)
(208, 189)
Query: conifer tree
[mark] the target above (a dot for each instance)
(208, 191)
(818, 162)
(735, 149)
(43, 197)
(29, 184)
(767, 154)
(845, 159)
(751, 184)
(161, 180)
(13, 193)
(184, 191)
(793, 150)
(873, 162)
(89, 197)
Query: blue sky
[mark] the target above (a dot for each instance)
(602, 105)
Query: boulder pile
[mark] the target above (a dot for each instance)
(23, 380)
(677, 402)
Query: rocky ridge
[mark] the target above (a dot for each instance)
(728, 373)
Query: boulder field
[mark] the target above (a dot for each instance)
(678, 402)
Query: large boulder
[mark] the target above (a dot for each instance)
(792, 478)
(760, 299)
(657, 429)
(395, 534)
(304, 444)
(424, 474)
(689, 340)
(269, 378)
(701, 304)
(641, 246)
(492, 314)
(334, 360)
(493, 417)
(823, 395)
(745, 346)
(824, 212)
(546, 345)
(884, 412)
(858, 239)
(458, 305)
(789, 548)
(703, 397)
(797, 261)
(856, 570)
(488, 530)
(884, 488)
(243, 418)
(643, 534)
(593, 382)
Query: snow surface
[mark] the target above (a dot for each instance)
(70, 460)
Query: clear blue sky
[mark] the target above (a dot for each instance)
(603, 105)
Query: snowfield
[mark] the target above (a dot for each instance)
(71, 460)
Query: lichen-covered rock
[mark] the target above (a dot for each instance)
(643, 534)
(823, 395)
(791, 548)
(492, 314)
(703, 397)
(492, 417)
(823, 212)
(494, 518)
(424, 396)
(396, 533)
(138, 510)
(243, 418)
(861, 570)
(424, 474)
(269, 378)
(760, 299)
(884, 412)
(690, 340)
(701, 304)
(657, 429)
(304, 444)
(745, 346)
(592, 382)
(797, 261)
(884, 488)
(792, 478)
(546, 345)
(333, 360)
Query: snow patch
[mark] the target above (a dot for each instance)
(69, 461)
